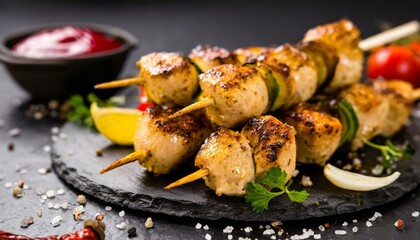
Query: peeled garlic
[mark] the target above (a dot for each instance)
(357, 182)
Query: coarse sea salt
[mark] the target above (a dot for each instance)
(248, 229)
(122, 213)
(121, 226)
(368, 224)
(198, 226)
(317, 236)
(206, 227)
(208, 236)
(355, 229)
(415, 214)
(228, 229)
(56, 221)
(268, 232)
(340, 232)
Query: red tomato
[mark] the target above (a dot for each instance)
(395, 62)
(144, 100)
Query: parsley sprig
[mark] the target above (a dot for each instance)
(259, 196)
(79, 111)
(391, 153)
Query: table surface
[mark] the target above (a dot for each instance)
(170, 26)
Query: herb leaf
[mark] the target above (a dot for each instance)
(259, 196)
(391, 153)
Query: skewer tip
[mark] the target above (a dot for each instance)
(132, 157)
(193, 107)
(189, 178)
(119, 83)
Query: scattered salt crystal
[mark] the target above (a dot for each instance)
(42, 171)
(340, 232)
(377, 170)
(306, 181)
(354, 220)
(56, 206)
(372, 219)
(44, 197)
(280, 232)
(355, 229)
(345, 224)
(62, 135)
(248, 229)
(50, 193)
(208, 236)
(56, 221)
(321, 228)
(65, 205)
(206, 227)
(368, 224)
(260, 227)
(54, 138)
(17, 102)
(377, 215)
(228, 229)
(61, 191)
(122, 213)
(269, 232)
(55, 130)
(47, 148)
(267, 226)
(8, 185)
(14, 132)
(149, 223)
(295, 173)
(108, 208)
(50, 205)
(230, 237)
(42, 200)
(317, 236)
(70, 152)
(415, 214)
(198, 226)
(122, 225)
(244, 238)
(273, 237)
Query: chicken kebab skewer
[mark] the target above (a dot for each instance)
(160, 144)
(227, 158)
(318, 135)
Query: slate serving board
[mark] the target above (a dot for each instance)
(75, 161)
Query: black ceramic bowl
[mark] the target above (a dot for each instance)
(60, 77)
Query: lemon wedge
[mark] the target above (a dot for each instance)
(116, 124)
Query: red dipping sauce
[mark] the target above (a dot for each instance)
(64, 42)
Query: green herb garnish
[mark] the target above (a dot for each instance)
(259, 196)
(391, 153)
(79, 108)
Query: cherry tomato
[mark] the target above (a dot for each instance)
(395, 62)
(144, 100)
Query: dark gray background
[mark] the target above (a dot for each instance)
(176, 26)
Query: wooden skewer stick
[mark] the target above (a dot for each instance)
(192, 107)
(189, 178)
(390, 35)
(119, 83)
(132, 157)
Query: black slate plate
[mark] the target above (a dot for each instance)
(75, 161)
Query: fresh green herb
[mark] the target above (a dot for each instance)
(259, 196)
(79, 108)
(391, 153)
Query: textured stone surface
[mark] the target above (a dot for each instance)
(137, 189)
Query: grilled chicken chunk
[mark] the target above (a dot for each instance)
(244, 55)
(318, 133)
(168, 143)
(238, 93)
(170, 79)
(206, 57)
(371, 109)
(273, 144)
(302, 70)
(398, 94)
(344, 37)
(228, 157)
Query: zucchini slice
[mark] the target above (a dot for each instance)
(349, 121)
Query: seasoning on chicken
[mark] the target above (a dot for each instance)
(344, 37)
(169, 79)
(302, 70)
(225, 162)
(245, 55)
(273, 144)
(206, 57)
(371, 110)
(227, 158)
(318, 133)
(161, 144)
(230, 95)
(399, 95)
